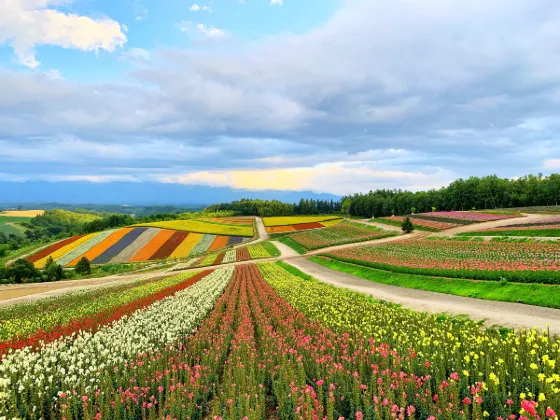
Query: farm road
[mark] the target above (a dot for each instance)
(513, 315)
(529, 218)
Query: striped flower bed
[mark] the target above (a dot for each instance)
(129, 245)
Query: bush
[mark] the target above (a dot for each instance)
(407, 226)
(83, 267)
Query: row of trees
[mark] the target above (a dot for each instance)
(264, 208)
(489, 192)
(23, 271)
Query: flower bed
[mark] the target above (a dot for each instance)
(527, 262)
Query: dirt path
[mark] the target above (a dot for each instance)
(529, 218)
(10, 294)
(285, 250)
(506, 314)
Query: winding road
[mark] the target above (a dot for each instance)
(493, 313)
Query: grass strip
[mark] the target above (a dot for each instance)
(294, 271)
(286, 240)
(540, 233)
(531, 294)
(271, 249)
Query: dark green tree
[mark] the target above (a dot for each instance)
(23, 271)
(407, 226)
(83, 267)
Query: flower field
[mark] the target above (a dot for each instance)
(258, 342)
(527, 262)
(343, 233)
(431, 225)
(134, 244)
(297, 223)
(223, 227)
(250, 252)
(463, 217)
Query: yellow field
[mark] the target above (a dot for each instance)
(201, 226)
(186, 246)
(296, 220)
(22, 213)
(330, 223)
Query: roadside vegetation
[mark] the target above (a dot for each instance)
(531, 294)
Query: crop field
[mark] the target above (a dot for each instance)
(214, 227)
(9, 223)
(250, 252)
(547, 227)
(420, 224)
(259, 341)
(463, 217)
(29, 214)
(297, 223)
(534, 262)
(134, 244)
(343, 233)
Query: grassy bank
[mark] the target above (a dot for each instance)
(534, 233)
(531, 294)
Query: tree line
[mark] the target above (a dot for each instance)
(266, 208)
(489, 192)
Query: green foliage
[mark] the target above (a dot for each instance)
(407, 226)
(502, 290)
(22, 271)
(83, 267)
(270, 248)
(269, 208)
(346, 205)
(489, 192)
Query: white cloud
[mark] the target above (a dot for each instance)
(280, 2)
(196, 8)
(24, 24)
(210, 31)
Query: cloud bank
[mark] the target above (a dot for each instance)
(388, 93)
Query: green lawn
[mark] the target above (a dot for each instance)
(531, 294)
(536, 233)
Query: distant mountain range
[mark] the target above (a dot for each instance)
(145, 193)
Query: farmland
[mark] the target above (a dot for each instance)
(246, 253)
(10, 222)
(463, 218)
(343, 233)
(214, 227)
(533, 262)
(419, 224)
(263, 342)
(134, 244)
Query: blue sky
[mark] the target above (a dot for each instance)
(333, 96)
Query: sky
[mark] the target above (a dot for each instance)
(329, 96)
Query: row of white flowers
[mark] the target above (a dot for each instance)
(77, 362)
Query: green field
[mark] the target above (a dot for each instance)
(531, 294)
(534, 233)
(9, 225)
